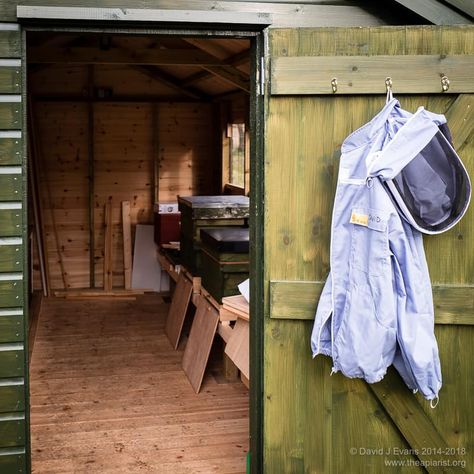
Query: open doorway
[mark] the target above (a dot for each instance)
(121, 122)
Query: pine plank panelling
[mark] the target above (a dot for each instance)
(59, 78)
(186, 150)
(62, 136)
(123, 138)
(122, 170)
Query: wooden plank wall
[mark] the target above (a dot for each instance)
(63, 167)
(123, 169)
(186, 138)
(125, 147)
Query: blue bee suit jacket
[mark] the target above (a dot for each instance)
(376, 308)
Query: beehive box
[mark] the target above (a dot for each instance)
(207, 212)
(225, 260)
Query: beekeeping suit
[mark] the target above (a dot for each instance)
(376, 307)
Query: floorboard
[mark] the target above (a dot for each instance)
(108, 395)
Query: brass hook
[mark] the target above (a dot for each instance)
(444, 83)
(388, 84)
(334, 84)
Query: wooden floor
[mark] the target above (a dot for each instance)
(108, 395)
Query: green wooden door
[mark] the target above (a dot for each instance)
(314, 422)
(14, 433)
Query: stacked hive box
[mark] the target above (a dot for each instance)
(207, 212)
(224, 259)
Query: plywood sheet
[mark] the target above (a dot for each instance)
(237, 349)
(146, 271)
(179, 306)
(199, 343)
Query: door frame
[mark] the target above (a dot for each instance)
(257, 37)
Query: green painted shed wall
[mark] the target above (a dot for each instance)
(14, 416)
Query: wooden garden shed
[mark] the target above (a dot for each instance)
(110, 102)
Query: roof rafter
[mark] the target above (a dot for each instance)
(435, 11)
(227, 72)
(170, 81)
(465, 6)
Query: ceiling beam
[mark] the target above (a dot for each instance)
(435, 11)
(170, 81)
(116, 98)
(156, 57)
(228, 72)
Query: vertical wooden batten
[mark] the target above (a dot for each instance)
(127, 245)
(90, 143)
(156, 155)
(225, 143)
(36, 201)
(257, 253)
(108, 246)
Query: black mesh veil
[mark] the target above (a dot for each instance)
(433, 190)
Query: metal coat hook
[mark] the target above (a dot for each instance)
(444, 83)
(334, 84)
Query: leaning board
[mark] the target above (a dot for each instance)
(199, 343)
(178, 309)
(237, 348)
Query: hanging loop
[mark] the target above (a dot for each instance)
(444, 83)
(388, 87)
(334, 84)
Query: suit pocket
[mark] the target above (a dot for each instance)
(369, 241)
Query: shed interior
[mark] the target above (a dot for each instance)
(116, 118)
(109, 122)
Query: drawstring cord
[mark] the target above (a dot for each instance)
(436, 400)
